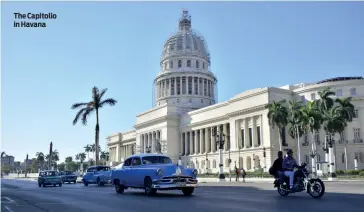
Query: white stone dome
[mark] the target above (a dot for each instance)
(185, 79)
(186, 41)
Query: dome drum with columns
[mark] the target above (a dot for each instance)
(185, 78)
(186, 112)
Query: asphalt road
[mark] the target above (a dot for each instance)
(26, 196)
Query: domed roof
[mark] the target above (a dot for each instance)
(186, 41)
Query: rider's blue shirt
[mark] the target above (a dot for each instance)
(288, 163)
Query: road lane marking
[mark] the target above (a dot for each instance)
(8, 209)
(9, 199)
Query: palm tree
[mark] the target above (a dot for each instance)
(311, 122)
(346, 108)
(82, 157)
(88, 150)
(54, 159)
(295, 116)
(334, 122)
(40, 158)
(277, 116)
(324, 104)
(67, 161)
(93, 106)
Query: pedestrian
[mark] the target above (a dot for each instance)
(243, 174)
(237, 173)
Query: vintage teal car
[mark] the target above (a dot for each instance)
(153, 172)
(49, 177)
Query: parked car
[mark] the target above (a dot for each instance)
(99, 175)
(49, 177)
(153, 172)
(68, 176)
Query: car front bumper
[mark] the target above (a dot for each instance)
(174, 184)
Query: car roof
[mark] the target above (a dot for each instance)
(98, 166)
(147, 154)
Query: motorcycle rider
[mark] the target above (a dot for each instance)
(289, 163)
(277, 166)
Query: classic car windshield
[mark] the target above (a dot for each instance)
(49, 173)
(156, 160)
(67, 173)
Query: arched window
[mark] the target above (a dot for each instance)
(241, 162)
(188, 63)
(171, 64)
(197, 64)
(179, 63)
(248, 163)
(343, 158)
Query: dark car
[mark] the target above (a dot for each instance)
(49, 178)
(68, 176)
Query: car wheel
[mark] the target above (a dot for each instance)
(44, 185)
(54, 185)
(148, 189)
(39, 184)
(74, 182)
(119, 189)
(60, 185)
(187, 191)
(99, 183)
(85, 183)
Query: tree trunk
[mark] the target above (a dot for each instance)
(280, 139)
(313, 166)
(97, 138)
(298, 146)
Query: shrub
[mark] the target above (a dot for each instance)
(361, 173)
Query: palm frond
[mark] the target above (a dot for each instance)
(103, 91)
(85, 115)
(109, 101)
(77, 105)
(78, 115)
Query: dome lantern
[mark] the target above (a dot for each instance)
(185, 21)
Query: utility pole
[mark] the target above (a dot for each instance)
(50, 155)
(26, 166)
(219, 137)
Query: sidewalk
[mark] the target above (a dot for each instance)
(264, 180)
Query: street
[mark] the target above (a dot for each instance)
(25, 196)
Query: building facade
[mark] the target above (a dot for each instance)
(186, 112)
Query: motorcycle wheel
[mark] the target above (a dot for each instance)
(283, 189)
(316, 188)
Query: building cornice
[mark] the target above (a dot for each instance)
(154, 121)
(321, 86)
(245, 111)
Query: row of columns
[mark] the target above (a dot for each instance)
(121, 151)
(245, 133)
(185, 85)
(148, 140)
(127, 150)
(202, 141)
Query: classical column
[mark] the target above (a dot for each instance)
(191, 143)
(181, 145)
(201, 142)
(207, 141)
(198, 86)
(213, 141)
(180, 85)
(196, 142)
(254, 132)
(246, 134)
(186, 144)
(187, 85)
(224, 130)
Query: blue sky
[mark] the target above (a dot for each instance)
(117, 45)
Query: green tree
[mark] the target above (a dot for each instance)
(88, 108)
(295, 123)
(88, 150)
(40, 159)
(311, 122)
(278, 116)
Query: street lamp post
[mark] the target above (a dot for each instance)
(220, 141)
(179, 159)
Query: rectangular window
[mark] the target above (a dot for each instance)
(258, 135)
(339, 92)
(313, 96)
(183, 85)
(178, 85)
(172, 86)
(353, 91)
(250, 137)
(356, 113)
(356, 133)
(189, 85)
(196, 85)
(205, 87)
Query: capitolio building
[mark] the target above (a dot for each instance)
(186, 113)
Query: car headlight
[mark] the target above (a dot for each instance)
(160, 172)
(194, 172)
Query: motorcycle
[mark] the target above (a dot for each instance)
(302, 181)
